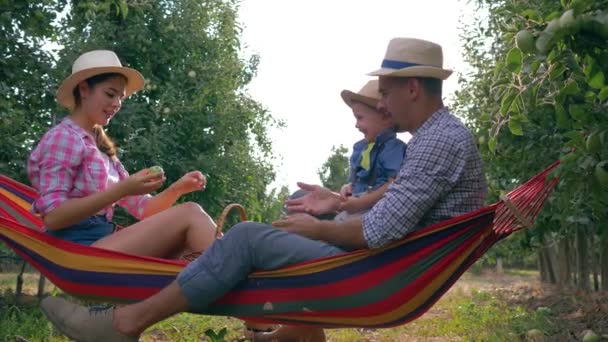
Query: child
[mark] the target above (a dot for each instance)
(376, 159)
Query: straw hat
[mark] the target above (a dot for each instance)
(94, 63)
(410, 57)
(368, 95)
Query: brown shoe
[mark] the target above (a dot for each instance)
(82, 323)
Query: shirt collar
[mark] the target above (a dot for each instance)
(83, 133)
(430, 122)
(381, 138)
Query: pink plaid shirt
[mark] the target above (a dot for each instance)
(67, 164)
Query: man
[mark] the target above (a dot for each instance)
(441, 178)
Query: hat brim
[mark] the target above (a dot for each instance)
(65, 96)
(414, 71)
(349, 97)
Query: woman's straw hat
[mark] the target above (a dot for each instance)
(94, 63)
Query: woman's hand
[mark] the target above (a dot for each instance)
(141, 183)
(191, 181)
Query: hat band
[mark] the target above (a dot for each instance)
(390, 64)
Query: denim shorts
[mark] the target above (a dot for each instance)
(86, 232)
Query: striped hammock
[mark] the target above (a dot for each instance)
(364, 288)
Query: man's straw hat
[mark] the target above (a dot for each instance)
(410, 57)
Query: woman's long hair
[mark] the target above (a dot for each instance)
(103, 141)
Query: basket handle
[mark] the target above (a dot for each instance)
(222, 218)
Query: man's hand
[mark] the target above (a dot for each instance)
(317, 201)
(301, 224)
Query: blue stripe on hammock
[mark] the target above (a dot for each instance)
(17, 193)
(441, 291)
(347, 271)
(94, 278)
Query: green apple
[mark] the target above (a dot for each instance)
(544, 42)
(156, 170)
(590, 336)
(594, 142)
(525, 41)
(601, 173)
(553, 26)
(567, 21)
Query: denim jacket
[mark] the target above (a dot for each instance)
(386, 157)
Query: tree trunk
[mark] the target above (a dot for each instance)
(594, 263)
(541, 267)
(604, 259)
(19, 287)
(41, 283)
(547, 273)
(563, 256)
(499, 268)
(582, 259)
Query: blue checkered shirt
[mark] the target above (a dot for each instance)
(440, 178)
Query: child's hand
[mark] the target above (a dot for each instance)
(351, 205)
(191, 181)
(346, 190)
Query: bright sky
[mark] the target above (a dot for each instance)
(311, 50)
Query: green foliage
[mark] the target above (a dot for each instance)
(194, 113)
(334, 172)
(551, 99)
(26, 90)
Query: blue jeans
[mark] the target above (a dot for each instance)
(246, 247)
(85, 232)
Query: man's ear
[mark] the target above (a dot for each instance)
(414, 87)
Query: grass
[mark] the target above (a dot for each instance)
(470, 311)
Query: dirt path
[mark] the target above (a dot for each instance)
(572, 310)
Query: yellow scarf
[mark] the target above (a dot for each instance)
(365, 156)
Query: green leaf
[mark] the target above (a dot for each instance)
(603, 95)
(124, 8)
(577, 112)
(557, 71)
(590, 66)
(492, 144)
(596, 81)
(531, 14)
(515, 126)
(535, 65)
(561, 116)
(514, 60)
(571, 88)
(507, 102)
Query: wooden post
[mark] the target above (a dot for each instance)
(19, 288)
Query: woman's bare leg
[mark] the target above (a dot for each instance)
(184, 227)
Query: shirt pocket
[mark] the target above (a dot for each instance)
(96, 171)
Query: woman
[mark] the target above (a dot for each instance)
(80, 179)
